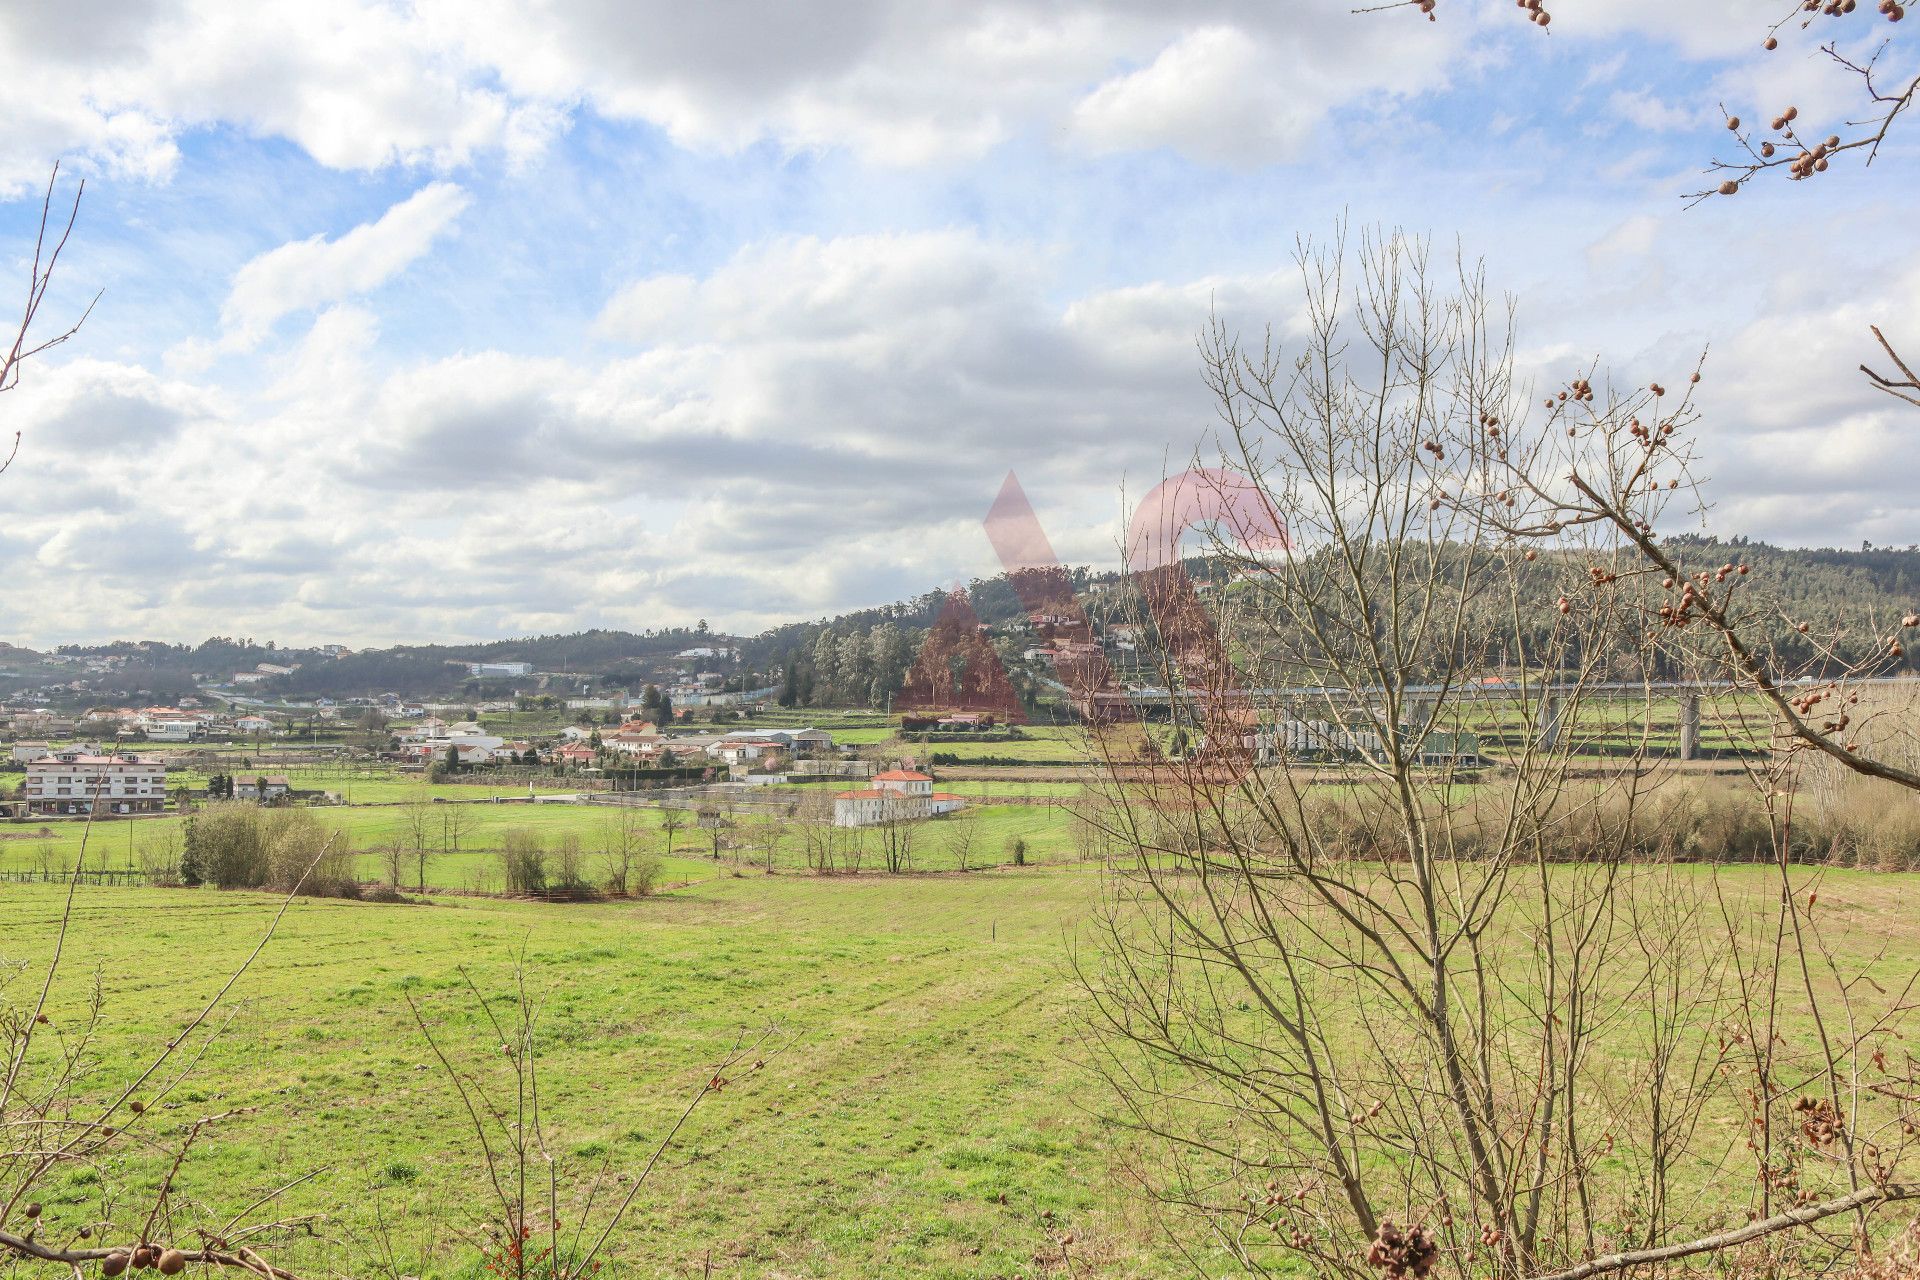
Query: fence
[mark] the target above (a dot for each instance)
(47, 875)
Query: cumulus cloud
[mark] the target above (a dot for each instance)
(817, 420)
(794, 406)
(362, 84)
(311, 273)
(816, 423)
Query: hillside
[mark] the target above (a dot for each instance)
(861, 655)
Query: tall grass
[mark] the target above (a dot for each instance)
(1848, 821)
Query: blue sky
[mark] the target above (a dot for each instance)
(429, 321)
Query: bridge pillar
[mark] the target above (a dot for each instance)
(1689, 725)
(1547, 731)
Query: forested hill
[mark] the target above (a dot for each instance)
(1858, 589)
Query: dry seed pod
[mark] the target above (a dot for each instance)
(114, 1263)
(172, 1262)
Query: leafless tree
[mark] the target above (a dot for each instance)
(961, 833)
(671, 821)
(416, 817)
(50, 241)
(1406, 1024)
(624, 852)
(456, 822)
(393, 857)
(894, 833)
(55, 1117)
(1790, 145)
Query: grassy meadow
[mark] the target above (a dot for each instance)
(919, 1117)
(1047, 832)
(924, 1108)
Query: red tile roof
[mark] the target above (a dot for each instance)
(901, 775)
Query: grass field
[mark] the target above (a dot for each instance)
(926, 1074)
(1047, 831)
(926, 1108)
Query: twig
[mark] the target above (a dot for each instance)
(1861, 1199)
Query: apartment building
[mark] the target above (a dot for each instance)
(75, 782)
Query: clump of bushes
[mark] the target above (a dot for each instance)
(243, 846)
(530, 867)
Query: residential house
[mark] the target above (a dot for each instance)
(897, 795)
(634, 744)
(746, 750)
(264, 789)
(906, 782)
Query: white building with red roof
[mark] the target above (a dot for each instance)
(897, 795)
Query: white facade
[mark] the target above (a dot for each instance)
(898, 795)
(70, 782)
(499, 669)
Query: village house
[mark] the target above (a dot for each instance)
(744, 750)
(897, 795)
(265, 789)
(906, 782)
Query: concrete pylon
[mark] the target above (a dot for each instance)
(1689, 726)
(1548, 729)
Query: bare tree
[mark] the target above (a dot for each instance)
(393, 858)
(56, 1115)
(456, 821)
(1405, 1024)
(513, 1131)
(962, 831)
(416, 817)
(671, 821)
(1790, 145)
(622, 848)
(894, 833)
(50, 241)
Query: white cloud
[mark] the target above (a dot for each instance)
(306, 274)
(361, 84)
(1221, 94)
(817, 423)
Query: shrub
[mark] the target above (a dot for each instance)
(242, 846)
(523, 857)
(645, 876)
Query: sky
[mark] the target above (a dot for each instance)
(444, 320)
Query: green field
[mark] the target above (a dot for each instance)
(925, 1076)
(1047, 830)
(926, 1106)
